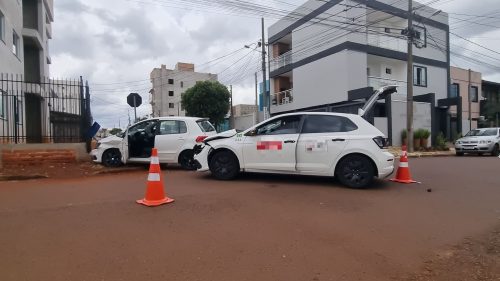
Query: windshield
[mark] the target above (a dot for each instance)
(205, 126)
(472, 133)
(488, 132)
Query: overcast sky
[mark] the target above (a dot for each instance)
(114, 44)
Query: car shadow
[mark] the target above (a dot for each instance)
(278, 180)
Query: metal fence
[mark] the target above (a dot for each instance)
(49, 111)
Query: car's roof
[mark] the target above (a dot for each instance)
(177, 118)
(318, 113)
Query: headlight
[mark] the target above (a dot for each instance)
(489, 141)
(459, 142)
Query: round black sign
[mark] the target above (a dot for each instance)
(134, 97)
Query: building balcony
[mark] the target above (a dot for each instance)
(387, 42)
(378, 82)
(281, 61)
(283, 97)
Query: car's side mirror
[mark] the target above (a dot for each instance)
(251, 133)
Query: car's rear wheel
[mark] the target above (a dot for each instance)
(496, 150)
(355, 171)
(112, 158)
(224, 165)
(186, 160)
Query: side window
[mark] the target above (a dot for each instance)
(140, 127)
(283, 125)
(169, 127)
(327, 124)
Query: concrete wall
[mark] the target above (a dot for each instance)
(244, 122)
(35, 154)
(421, 117)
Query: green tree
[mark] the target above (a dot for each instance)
(207, 99)
(115, 131)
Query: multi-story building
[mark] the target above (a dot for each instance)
(170, 84)
(490, 104)
(25, 31)
(461, 79)
(340, 50)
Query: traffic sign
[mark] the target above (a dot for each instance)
(134, 100)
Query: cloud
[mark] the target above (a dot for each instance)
(114, 42)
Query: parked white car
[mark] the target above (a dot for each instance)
(305, 143)
(479, 141)
(174, 137)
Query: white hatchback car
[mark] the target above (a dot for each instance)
(305, 143)
(174, 137)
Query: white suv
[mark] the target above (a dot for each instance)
(305, 143)
(174, 137)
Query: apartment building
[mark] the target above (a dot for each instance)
(168, 85)
(333, 57)
(25, 32)
(244, 109)
(490, 104)
(461, 80)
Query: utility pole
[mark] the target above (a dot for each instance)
(470, 102)
(267, 98)
(231, 118)
(256, 117)
(409, 79)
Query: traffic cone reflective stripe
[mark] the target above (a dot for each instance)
(403, 174)
(155, 194)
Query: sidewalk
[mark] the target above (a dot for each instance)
(396, 151)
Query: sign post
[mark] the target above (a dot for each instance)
(134, 100)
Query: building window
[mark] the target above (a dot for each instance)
(420, 76)
(2, 27)
(3, 97)
(182, 84)
(170, 105)
(388, 71)
(455, 90)
(171, 81)
(170, 93)
(15, 43)
(473, 94)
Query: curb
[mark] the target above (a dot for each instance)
(22, 178)
(118, 171)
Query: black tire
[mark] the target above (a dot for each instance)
(224, 165)
(186, 160)
(355, 171)
(112, 158)
(459, 153)
(496, 150)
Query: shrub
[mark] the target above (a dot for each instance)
(441, 142)
(425, 134)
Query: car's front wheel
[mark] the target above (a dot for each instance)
(459, 153)
(355, 171)
(112, 158)
(224, 165)
(496, 150)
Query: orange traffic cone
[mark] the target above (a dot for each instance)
(403, 174)
(155, 195)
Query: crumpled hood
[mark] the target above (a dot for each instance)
(111, 140)
(223, 135)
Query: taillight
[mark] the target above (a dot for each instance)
(381, 142)
(200, 138)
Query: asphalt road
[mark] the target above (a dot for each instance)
(258, 227)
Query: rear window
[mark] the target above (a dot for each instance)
(205, 126)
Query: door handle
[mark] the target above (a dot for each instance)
(180, 138)
(338, 139)
(289, 141)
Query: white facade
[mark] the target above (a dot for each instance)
(317, 60)
(170, 84)
(24, 43)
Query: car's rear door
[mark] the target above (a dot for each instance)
(322, 139)
(273, 146)
(170, 137)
